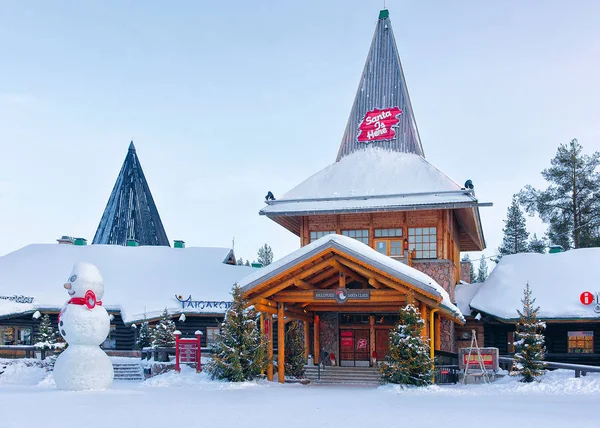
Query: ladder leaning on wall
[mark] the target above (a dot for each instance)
(475, 346)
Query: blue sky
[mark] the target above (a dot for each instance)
(227, 101)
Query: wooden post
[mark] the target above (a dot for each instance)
(423, 310)
(342, 280)
(306, 340)
(281, 343)
(269, 322)
(438, 332)
(372, 335)
(316, 339)
(262, 331)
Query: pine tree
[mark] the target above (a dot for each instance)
(265, 255)
(482, 272)
(163, 335)
(515, 232)
(240, 350)
(145, 335)
(570, 205)
(294, 350)
(247, 263)
(240, 261)
(408, 361)
(529, 357)
(537, 245)
(46, 336)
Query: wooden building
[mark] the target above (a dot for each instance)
(564, 286)
(408, 221)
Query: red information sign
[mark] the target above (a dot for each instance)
(586, 298)
(347, 341)
(361, 344)
(377, 125)
(187, 351)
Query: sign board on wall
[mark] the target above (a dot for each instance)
(342, 295)
(377, 125)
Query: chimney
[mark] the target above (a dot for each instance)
(67, 240)
(80, 241)
(465, 270)
(178, 244)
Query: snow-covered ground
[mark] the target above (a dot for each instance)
(29, 398)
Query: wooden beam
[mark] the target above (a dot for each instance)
(305, 324)
(269, 320)
(340, 268)
(267, 309)
(305, 296)
(423, 311)
(264, 302)
(303, 284)
(301, 275)
(316, 336)
(353, 309)
(321, 276)
(341, 280)
(374, 283)
(281, 343)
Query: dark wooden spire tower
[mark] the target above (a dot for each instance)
(131, 213)
(382, 88)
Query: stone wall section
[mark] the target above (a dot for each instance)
(329, 330)
(447, 333)
(440, 270)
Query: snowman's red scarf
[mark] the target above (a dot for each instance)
(81, 301)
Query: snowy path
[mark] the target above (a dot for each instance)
(559, 402)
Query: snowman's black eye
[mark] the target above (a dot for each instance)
(63, 333)
(73, 278)
(61, 323)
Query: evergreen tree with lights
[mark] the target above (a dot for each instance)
(46, 336)
(145, 335)
(528, 362)
(163, 335)
(294, 350)
(240, 350)
(408, 361)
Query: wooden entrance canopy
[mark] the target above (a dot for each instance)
(339, 274)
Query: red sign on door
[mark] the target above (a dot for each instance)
(586, 298)
(347, 341)
(377, 125)
(361, 344)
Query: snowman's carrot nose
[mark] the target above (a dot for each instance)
(67, 285)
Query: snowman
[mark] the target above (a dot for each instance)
(84, 324)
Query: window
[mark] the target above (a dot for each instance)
(424, 241)
(581, 342)
(111, 340)
(316, 235)
(389, 241)
(10, 335)
(211, 335)
(361, 235)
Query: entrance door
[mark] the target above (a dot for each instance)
(382, 343)
(354, 347)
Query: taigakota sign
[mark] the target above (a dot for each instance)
(378, 124)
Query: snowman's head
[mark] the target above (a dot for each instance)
(85, 276)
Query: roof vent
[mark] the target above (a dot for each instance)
(132, 243)
(80, 241)
(68, 240)
(178, 244)
(556, 249)
(256, 265)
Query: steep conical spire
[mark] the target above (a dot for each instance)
(382, 115)
(131, 212)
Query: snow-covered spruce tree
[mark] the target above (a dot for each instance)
(145, 334)
(163, 335)
(529, 357)
(294, 350)
(515, 231)
(408, 361)
(482, 272)
(46, 336)
(537, 245)
(240, 351)
(265, 255)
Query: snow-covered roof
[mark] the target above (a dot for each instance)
(556, 280)
(361, 252)
(463, 294)
(138, 280)
(371, 179)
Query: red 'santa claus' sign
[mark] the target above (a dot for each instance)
(377, 125)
